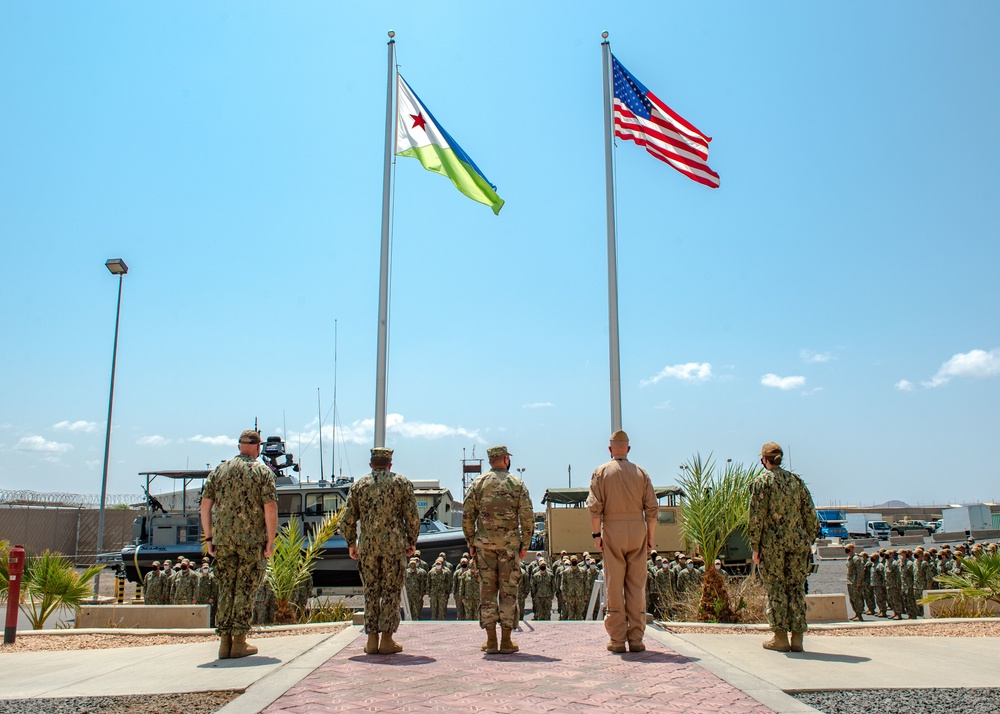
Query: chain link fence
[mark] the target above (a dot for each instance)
(71, 531)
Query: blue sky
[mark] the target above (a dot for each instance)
(837, 294)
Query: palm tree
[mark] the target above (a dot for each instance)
(293, 560)
(50, 582)
(714, 506)
(978, 582)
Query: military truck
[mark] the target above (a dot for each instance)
(567, 520)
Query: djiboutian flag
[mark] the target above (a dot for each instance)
(419, 136)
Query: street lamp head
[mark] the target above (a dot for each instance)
(117, 266)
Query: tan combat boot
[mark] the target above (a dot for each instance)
(778, 643)
(371, 647)
(388, 645)
(616, 647)
(636, 646)
(225, 646)
(507, 646)
(240, 648)
(490, 646)
(797, 641)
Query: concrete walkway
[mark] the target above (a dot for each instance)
(562, 666)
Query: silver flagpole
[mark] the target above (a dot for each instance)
(616, 377)
(383, 279)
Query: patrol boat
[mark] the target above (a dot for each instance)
(166, 534)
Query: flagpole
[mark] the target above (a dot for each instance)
(383, 279)
(614, 361)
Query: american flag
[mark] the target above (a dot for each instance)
(640, 116)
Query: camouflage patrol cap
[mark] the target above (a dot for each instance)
(464, 561)
(771, 449)
(619, 437)
(380, 452)
(156, 562)
(499, 450)
(250, 436)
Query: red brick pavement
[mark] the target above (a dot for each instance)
(560, 668)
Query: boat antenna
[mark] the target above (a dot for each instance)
(319, 415)
(333, 446)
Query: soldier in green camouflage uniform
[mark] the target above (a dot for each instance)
(574, 581)
(783, 525)
(906, 575)
(543, 588)
(439, 588)
(207, 592)
(878, 585)
(472, 592)
(664, 590)
(152, 586)
(459, 588)
(498, 524)
(866, 584)
(523, 588)
(894, 586)
(416, 586)
(239, 521)
(384, 505)
(855, 575)
(185, 590)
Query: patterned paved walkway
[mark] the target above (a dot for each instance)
(560, 668)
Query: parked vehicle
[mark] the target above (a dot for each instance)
(908, 527)
(966, 519)
(832, 523)
(867, 525)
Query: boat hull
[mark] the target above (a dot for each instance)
(335, 568)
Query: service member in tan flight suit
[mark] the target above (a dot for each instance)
(623, 513)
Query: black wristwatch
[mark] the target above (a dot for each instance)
(596, 535)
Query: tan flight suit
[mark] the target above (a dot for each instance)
(621, 494)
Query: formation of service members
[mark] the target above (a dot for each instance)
(181, 583)
(893, 580)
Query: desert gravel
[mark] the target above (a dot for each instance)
(56, 642)
(903, 701)
(984, 628)
(191, 703)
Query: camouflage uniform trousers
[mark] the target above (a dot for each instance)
(382, 577)
(575, 606)
(896, 600)
(784, 576)
(416, 604)
(910, 606)
(439, 607)
(541, 608)
(869, 596)
(881, 599)
(238, 573)
(520, 602)
(500, 573)
(857, 598)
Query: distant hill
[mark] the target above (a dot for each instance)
(893, 504)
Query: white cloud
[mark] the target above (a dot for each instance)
(689, 372)
(84, 426)
(40, 445)
(663, 405)
(538, 405)
(214, 440)
(904, 385)
(978, 364)
(773, 380)
(810, 356)
(362, 431)
(810, 392)
(153, 440)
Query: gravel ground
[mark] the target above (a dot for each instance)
(904, 701)
(192, 703)
(55, 642)
(973, 628)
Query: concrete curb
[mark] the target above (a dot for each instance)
(844, 625)
(259, 695)
(761, 690)
(184, 632)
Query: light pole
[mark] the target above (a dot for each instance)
(520, 472)
(117, 267)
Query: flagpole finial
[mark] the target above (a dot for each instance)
(392, 34)
(604, 35)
